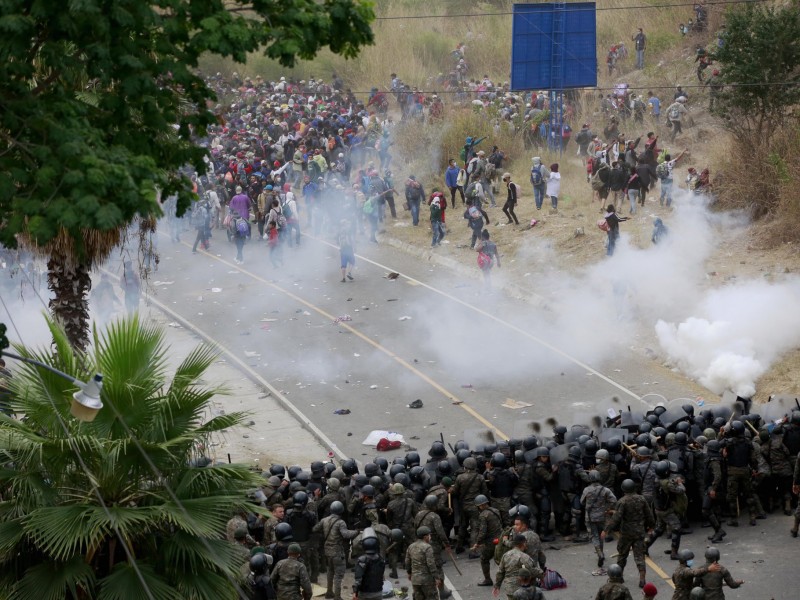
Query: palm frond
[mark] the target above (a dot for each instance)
(204, 585)
(53, 581)
(123, 584)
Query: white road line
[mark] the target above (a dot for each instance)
(482, 312)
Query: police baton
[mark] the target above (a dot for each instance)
(453, 558)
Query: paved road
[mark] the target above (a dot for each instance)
(281, 325)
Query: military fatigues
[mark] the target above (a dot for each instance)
(501, 483)
(334, 533)
(542, 477)
(571, 479)
(269, 530)
(632, 516)
(613, 590)
(428, 518)
(796, 481)
(302, 522)
(742, 461)
(644, 474)
(400, 513)
(468, 485)
(683, 578)
(443, 506)
(528, 592)
(780, 461)
(712, 482)
(369, 577)
(670, 507)
(421, 568)
(508, 570)
(490, 527)
(533, 547)
(712, 583)
(598, 501)
(234, 523)
(290, 580)
(524, 489)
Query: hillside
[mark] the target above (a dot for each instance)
(415, 40)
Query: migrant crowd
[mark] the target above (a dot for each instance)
(641, 478)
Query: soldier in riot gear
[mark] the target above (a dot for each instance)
(500, 482)
(543, 474)
(258, 582)
(428, 517)
(670, 505)
(468, 486)
(571, 481)
(741, 460)
(302, 522)
(369, 572)
(634, 520)
(712, 489)
(335, 534)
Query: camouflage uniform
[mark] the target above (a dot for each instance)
(608, 473)
(644, 474)
(269, 530)
(303, 522)
(533, 547)
(528, 592)
(422, 570)
(334, 533)
(742, 461)
(613, 590)
(468, 485)
(712, 482)
(780, 461)
(508, 571)
(236, 522)
(633, 518)
(428, 518)
(712, 583)
(683, 578)
(670, 506)
(290, 580)
(598, 501)
(490, 527)
(796, 481)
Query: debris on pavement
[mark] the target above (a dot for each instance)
(467, 386)
(385, 445)
(377, 435)
(404, 318)
(342, 411)
(392, 275)
(342, 319)
(250, 354)
(515, 404)
(176, 325)
(456, 401)
(416, 404)
(216, 290)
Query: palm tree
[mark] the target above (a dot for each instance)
(93, 510)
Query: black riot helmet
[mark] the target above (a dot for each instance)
(259, 563)
(499, 460)
(662, 468)
(382, 463)
(412, 459)
(444, 468)
(371, 469)
(278, 470)
(283, 532)
(395, 469)
(462, 455)
(350, 467)
(300, 499)
(437, 451)
(530, 442)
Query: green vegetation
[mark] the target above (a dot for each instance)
(99, 101)
(57, 540)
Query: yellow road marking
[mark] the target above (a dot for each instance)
(659, 571)
(401, 361)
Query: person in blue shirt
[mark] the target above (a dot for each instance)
(451, 181)
(655, 104)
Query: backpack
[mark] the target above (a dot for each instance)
(662, 171)
(281, 221)
(436, 211)
(484, 261)
(287, 210)
(602, 225)
(537, 178)
(472, 190)
(674, 114)
(242, 227)
(199, 216)
(597, 183)
(490, 171)
(415, 190)
(500, 549)
(552, 580)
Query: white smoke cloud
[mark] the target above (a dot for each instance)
(738, 334)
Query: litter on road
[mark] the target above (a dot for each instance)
(342, 411)
(416, 404)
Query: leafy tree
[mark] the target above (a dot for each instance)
(57, 540)
(760, 67)
(98, 102)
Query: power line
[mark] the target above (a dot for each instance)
(566, 10)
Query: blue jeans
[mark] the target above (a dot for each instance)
(554, 201)
(438, 232)
(666, 192)
(640, 59)
(633, 196)
(538, 195)
(413, 206)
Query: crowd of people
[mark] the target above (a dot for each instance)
(635, 482)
